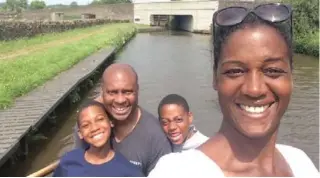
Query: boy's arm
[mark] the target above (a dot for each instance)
(59, 171)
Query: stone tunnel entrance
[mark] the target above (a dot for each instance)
(173, 22)
(182, 22)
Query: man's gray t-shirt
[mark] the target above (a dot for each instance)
(144, 145)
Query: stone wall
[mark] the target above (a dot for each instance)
(13, 29)
(111, 11)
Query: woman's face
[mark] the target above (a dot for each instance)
(254, 80)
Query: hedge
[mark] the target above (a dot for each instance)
(10, 30)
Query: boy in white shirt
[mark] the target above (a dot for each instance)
(176, 121)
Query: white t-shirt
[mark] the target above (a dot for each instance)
(194, 163)
(193, 142)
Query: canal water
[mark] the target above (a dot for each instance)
(178, 62)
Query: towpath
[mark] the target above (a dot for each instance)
(32, 109)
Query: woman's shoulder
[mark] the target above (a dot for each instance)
(184, 155)
(201, 136)
(186, 163)
(292, 152)
(297, 158)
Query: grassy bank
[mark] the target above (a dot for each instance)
(306, 26)
(8, 46)
(26, 64)
(308, 44)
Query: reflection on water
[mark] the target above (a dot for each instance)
(300, 126)
(170, 62)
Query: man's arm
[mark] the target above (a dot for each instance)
(160, 147)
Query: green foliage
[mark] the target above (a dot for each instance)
(306, 16)
(73, 4)
(16, 5)
(37, 4)
(17, 29)
(307, 44)
(306, 26)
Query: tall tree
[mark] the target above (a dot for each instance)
(16, 5)
(73, 4)
(37, 4)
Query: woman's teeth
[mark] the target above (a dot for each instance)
(254, 109)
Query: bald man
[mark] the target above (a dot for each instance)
(137, 133)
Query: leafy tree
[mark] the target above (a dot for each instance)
(74, 4)
(23, 4)
(305, 26)
(37, 4)
(306, 16)
(16, 5)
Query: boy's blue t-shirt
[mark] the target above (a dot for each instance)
(73, 164)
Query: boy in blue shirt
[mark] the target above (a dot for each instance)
(98, 159)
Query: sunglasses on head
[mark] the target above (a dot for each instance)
(272, 12)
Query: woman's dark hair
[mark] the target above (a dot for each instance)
(221, 34)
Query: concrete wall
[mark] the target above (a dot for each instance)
(201, 12)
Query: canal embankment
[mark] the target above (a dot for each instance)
(149, 29)
(24, 118)
(307, 44)
(306, 27)
(28, 63)
(46, 76)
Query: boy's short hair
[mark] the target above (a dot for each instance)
(173, 99)
(90, 103)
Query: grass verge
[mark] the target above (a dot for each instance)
(308, 44)
(13, 45)
(24, 73)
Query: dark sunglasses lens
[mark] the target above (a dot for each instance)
(231, 16)
(273, 12)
